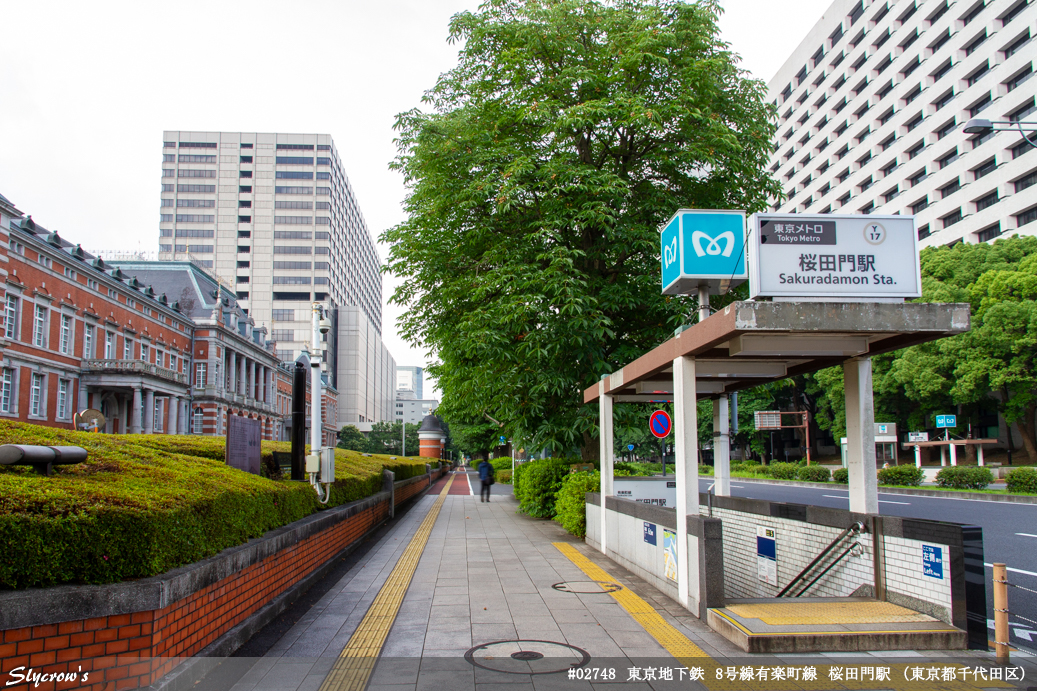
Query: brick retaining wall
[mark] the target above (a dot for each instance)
(129, 635)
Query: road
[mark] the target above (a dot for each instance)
(1009, 535)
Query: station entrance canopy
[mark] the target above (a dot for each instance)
(751, 343)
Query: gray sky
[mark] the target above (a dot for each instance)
(88, 88)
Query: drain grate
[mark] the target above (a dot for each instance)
(587, 587)
(527, 657)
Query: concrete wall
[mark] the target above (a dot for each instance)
(625, 523)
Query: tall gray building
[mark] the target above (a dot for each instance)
(872, 105)
(410, 379)
(274, 217)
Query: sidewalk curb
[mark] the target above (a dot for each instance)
(1004, 498)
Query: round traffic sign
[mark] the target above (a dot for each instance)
(659, 424)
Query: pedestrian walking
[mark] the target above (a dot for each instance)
(486, 475)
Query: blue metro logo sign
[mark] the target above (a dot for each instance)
(702, 247)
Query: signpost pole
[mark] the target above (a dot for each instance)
(703, 302)
(686, 462)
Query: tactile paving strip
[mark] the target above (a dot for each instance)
(806, 613)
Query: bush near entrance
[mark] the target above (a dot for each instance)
(841, 475)
(783, 471)
(813, 473)
(143, 504)
(570, 504)
(964, 477)
(536, 484)
(1022, 480)
(903, 475)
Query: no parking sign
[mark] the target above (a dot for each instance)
(660, 424)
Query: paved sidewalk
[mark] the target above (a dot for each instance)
(484, 580)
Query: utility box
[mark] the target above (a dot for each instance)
(327, 464)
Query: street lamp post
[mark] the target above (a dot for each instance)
(981, 127)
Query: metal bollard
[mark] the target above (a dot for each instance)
(1001, 612)
(42, 458)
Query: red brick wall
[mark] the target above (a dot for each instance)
(134, 650)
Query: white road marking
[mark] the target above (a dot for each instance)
(1026, 534)
(1009, 568)
(468, 478)
(881, 501)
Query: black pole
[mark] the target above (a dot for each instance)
(662, 455)
(299, 417)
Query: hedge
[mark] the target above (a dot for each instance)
(142, 505)
(536, 483)
(964, 477)
(841, 475)
(904, 475)
(813, 473)
(570, 504)
(1022, 480)
(783, 471)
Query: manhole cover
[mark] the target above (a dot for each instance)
(527, 657)
(587, 587)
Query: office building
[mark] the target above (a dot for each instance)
(158, 348)
(274, 217)
(412, 411)
(409, 380)
(872, 106)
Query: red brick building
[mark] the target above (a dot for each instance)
(158, 347)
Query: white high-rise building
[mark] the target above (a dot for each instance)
(872, 105)
(274, 217)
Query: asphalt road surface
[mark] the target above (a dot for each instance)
(1009, 536)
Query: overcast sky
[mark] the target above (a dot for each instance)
(88, 87)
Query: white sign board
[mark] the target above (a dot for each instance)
(917, 436)
(658, 491)
(831, 256)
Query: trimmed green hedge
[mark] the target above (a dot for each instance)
(536, 483)
(142, 504)
(813, 473)
(905, 475)
(841, 475)
(964, 477)
(570, 504)
(783, 471)
(1022, 480)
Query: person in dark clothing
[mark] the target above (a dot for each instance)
(486, 475)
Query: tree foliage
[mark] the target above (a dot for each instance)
(547, 159)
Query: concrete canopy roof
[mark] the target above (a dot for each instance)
(752, 343)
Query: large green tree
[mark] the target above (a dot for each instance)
(538, 176)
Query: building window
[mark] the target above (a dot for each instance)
(948, 159)
(144, 352)
(7, 390)
(11, 317)
(62, 412)
(987, 201)
(109, 345)
(199, 374)
(39, 326)
(1028, 216)
(196, 158)
(951, 219)
(949, 189)
(293, 175)
(920, 205)
(197, 419)
(36, 395)
(293, 190)
(917, 177)
(245, 174)
(1019, 78)
(88, 341)
(988, 234)
(923, 232)
(1026, 182)
(181, 173)
(66, 333)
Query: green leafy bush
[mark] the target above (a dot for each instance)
(1022, 480)
(964, 477)
(784, 471)
(841, 475)
(142, 505)
(905, 475)
(536, 484)
(813, 473)
(706, 470)
(570, 505)
(504, 477)
(500, 464)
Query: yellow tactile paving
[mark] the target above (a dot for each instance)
(827, 613)
(691, 656)
(676, 643)
(355, 664)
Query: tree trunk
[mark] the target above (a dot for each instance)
(591, 450)
(1027, 430)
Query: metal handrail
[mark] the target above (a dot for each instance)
(856, 545)
(857, 528)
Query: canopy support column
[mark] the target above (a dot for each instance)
(686, 464)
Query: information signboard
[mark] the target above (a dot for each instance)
(766, 555)
(932, 561)
(944, 421)
(702, 247)
(832, 256)
(649, 533)
(917, 436)
(242, 449)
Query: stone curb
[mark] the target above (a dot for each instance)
(1006, 498)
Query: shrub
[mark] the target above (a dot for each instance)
(142, 505)
(503, 477)
(536, 484)
(841, 475)
(706, 469)
(906, 475)
(1022, 480)
(784, 471)
(964, 477)
(570, 505)
(500, 464)
(813, 473)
